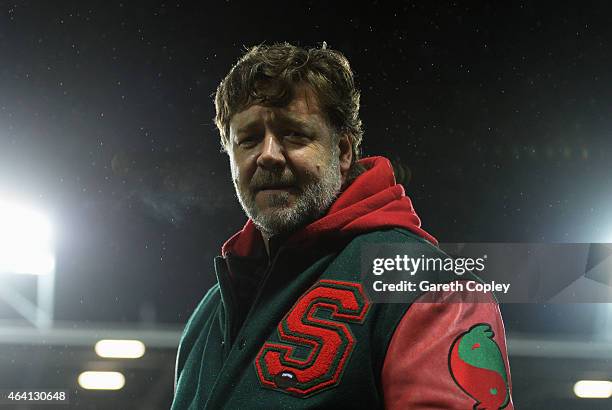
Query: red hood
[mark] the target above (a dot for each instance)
(372, 202)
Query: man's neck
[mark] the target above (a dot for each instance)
(273, 243)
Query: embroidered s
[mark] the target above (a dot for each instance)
(315, 339)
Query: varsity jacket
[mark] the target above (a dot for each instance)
(298, 330)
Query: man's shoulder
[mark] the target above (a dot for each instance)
(204, 309)
(364, 246)
(210, 299)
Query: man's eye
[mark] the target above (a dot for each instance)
(247, 142)
(296, 136)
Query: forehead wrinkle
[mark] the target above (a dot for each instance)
(284, 116)
(296, 113)
(248, 126)
(247, 120)
(269, 114)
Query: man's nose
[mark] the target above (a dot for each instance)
(272, 154)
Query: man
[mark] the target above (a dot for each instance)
(289, 325)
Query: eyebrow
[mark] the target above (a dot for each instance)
(247, 127)
(294, 121)
(282, 119)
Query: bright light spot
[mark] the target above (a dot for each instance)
(101, 380)
(593, 389)
(25, 241)
(124, 349)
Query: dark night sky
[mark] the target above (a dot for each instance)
(500, 115)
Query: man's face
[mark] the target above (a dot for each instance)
(287, 164)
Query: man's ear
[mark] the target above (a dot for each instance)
(345, 153)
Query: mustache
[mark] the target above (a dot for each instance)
(267, 179)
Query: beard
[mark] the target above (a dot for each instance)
(312, 199)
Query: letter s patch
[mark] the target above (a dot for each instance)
(313, 350)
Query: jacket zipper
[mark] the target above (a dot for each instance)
(260, 289)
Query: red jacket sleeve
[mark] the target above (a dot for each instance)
(448, 352)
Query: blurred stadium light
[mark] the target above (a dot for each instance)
(25, 241)
(120, 349)
(593, 389)
(92, 380)
(26, 247)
